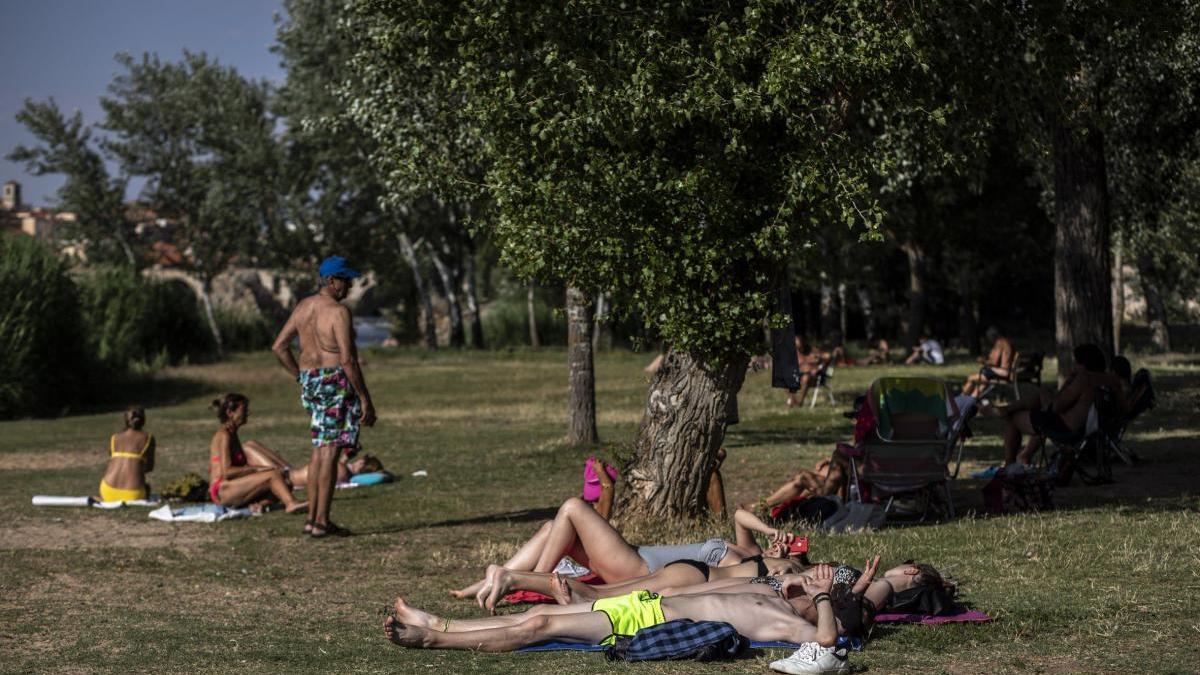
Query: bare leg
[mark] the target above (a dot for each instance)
(716, 486)
(523, 560)
(322, 476)
(249, 488)
(805, 378)
(258, 454)
(583, 626)
(1014, 426)
(504, 581)
(579, 529)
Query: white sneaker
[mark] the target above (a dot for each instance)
(812, 658)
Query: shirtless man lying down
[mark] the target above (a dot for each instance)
(758, 617)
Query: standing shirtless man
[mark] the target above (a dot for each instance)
(332, 386)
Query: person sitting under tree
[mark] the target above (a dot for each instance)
(927, 350)
(1061, 416)
(997, 366)
(810, 361)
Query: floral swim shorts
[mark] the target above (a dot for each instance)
(331, 400)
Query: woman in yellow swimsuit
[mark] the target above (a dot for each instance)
(130, 458)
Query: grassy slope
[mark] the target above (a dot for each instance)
(1106, 582)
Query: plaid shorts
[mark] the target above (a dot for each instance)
(331, 400)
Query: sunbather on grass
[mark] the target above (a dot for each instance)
(579, 532)
(678, 573)
(258, 454)
(233, 480)
(130, 458)
(758, 617)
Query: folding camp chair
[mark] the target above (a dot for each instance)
(821, 379)
(1025, 368)
(907, 456)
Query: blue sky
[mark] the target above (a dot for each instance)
(64, 49)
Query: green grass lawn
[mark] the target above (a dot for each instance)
(1108, 582)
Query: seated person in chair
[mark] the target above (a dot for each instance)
(997, 366)
(811, 362)
(1061, 416)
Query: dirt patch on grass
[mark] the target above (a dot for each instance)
(52, 460)
(92, 531)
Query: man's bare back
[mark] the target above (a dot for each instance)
(317, 320)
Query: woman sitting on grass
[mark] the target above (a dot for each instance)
(130, 458)
(233, 481)
(581, 533)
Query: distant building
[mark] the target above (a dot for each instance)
(41, 223)
(10, 199)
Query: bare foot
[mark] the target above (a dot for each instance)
(498, 580)
(560, 590)
(411, 616)
(401, 634)
(464, 593)
(297, 507)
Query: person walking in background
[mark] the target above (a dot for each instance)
(333, 390)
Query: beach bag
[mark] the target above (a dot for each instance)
(682, 639)
(189, 487)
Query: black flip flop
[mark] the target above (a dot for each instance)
(330, 530)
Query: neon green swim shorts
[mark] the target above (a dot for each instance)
(630, 613)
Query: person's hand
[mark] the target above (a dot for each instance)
(818, 580)
(867, 577)
(368, 415)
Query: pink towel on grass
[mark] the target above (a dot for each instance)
(965, 616)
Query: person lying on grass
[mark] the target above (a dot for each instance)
(756, 616)
(233, 481)
(581, 533)
(130, 458)
(348, 466)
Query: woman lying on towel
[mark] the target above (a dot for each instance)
(233, 480)
(130, 458)
(348, 465)
(579, 532)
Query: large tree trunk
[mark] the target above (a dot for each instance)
(581, 406)
(409, 251)
(472, 296)
(1118, 295)
(531, 311)
(1156, 309)
(449, 279)
(864, 303)
(1082, 246)
(916, 291)
(687, 410)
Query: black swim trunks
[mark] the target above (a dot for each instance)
(1051, 425)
